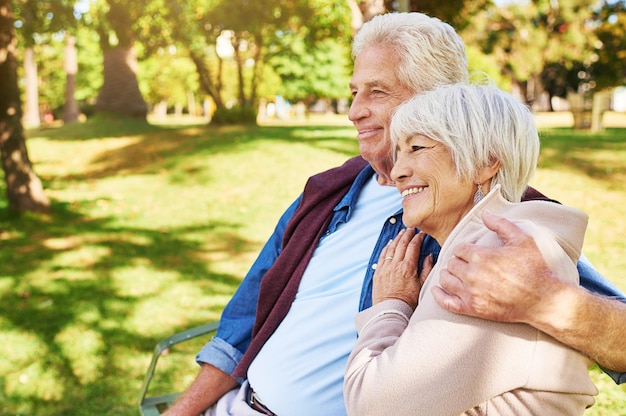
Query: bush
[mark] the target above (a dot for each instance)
(234, 115)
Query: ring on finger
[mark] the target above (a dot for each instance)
(388, 258)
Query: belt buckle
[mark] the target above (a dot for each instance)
(256, 404)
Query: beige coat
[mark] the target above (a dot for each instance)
(433, 362)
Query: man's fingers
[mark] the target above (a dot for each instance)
(446, 300)
(509, 233)
(457, 264)
(450, 282)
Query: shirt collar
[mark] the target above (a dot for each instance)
(350, 199)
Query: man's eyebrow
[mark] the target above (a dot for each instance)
(374, 83)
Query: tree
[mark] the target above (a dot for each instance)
(609, 68)
(24, 189)
(167, 78)
(331, 60)
(70, 60)
(116, 23)
(459, 13)
(220, 38)
(40, 24)
(527, 38)
(29, 23)
(364, 10)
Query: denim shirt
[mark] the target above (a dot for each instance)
(235, 328)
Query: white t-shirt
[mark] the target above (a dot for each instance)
(299, 370)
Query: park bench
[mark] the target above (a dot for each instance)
(153, 406)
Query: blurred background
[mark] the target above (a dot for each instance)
(287, 58)
(149, 147)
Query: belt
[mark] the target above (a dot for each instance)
(253, 401)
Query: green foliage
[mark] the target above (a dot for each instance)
(481, 63)
(609, 70)
(36, 18)
(121, 22)
(300, 49)
(89, 78)
(570, 45)
(269, 28)
(167, 76)
(234, 115)
(306, 73)
(459, 13)
(49, 58)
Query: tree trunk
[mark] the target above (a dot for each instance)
(364, 10)
(241, 94)
(204, 77)
(70, 109)
(257, 70)
(31, 105)
(120, 92)
(24, 189)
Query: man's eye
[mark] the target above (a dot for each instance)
(415, 148)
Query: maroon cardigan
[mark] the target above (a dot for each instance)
(280, 284)
(322, 193)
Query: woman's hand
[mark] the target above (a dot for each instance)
(396, 275)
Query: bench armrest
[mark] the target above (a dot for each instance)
(148, 406)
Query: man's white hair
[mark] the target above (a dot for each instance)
(431, 52)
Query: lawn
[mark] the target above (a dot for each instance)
(153, 226)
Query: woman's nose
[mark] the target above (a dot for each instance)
(400, 170)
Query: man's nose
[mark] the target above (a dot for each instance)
(357, 110)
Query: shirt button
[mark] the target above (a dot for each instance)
(392, 220)
(374, 266)
(327, 232)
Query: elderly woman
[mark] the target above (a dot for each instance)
(464, 151)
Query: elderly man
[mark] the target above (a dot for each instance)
(285, 336)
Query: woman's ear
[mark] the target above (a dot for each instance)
(488, 172)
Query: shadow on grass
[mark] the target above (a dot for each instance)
(155, 148)
(69, 322)
(598, 155)
(96, 127)
(72, 323)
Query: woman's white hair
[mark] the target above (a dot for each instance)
(431, 52)
(479, 124)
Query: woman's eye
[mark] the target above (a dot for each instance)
(415, 148)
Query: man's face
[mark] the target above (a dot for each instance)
(376, 92)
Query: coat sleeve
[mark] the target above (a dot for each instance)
(439, 363)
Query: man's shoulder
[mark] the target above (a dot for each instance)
(353, 165)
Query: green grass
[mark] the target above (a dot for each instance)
(153, 226)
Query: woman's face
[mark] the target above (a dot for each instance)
(433, 198)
